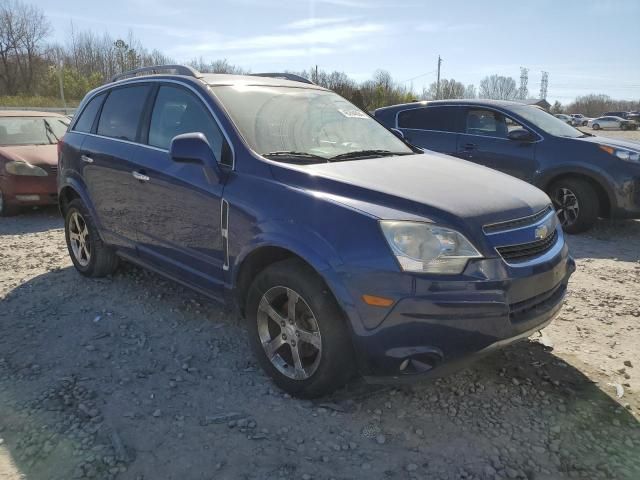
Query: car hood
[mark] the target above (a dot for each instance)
(612, 142)
(33, 154)
(431, 185)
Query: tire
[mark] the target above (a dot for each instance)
(595, 126)
(584, 124)
(584, 216)
(328, 363)
(94, 260)
(7, 209)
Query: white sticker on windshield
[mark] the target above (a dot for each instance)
(353, 113)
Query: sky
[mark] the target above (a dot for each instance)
(587, 46)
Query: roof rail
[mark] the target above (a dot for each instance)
(157, 70)
(286, 76)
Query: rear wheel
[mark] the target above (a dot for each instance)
(89, 254)
(596, 126)
(6, 209)
(576, 204)
(297, 331)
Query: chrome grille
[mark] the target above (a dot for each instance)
(527, 251)
(518, 222)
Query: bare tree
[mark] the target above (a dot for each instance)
(23, 29)
(498, 87)
(594, 105)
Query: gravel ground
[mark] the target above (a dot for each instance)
(134, 377)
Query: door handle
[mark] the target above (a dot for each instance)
(140, 176)
(86, 159)
(470, 146)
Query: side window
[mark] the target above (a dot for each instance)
(441, 119)
(178, 111)
(88, 115)
(121, 112)
(489, 123)
(512, 124)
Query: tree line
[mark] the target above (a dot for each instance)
(33, 66)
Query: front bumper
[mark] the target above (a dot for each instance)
(22, 190)
(446, 324)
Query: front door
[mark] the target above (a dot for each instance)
(486, 141)
(179, 228)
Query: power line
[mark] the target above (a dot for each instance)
(418, 76)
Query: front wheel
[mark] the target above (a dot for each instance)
(6, 209)
(576, 204)
(297, 330)
(596, 126)
(89, 254)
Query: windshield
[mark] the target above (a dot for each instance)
(547, 122)
(307, 121)
(32, 130)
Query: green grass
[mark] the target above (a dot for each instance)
(35, 102)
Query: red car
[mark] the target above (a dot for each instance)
(28, 158)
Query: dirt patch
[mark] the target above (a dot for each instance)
(134, 377)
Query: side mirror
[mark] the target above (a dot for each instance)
(398, 133)
(195, 149)
(521, 135)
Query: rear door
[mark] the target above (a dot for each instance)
(485, 141)
(109, 156)
(180, 211)
(431, 127)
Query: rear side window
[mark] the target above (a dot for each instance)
(178, 111)
(441, 119)
(88, 115)
(121, 112)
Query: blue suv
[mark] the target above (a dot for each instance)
(347, 251)
(586, 176)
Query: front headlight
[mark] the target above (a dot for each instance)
(427, 248)
(24, 169)
(622, 153)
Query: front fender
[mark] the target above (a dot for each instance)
(544, 180)
(307, 245)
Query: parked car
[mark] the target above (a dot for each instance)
(28, 158)
(616, 123)
(579, 120)
(622, 115)
(345, 249)
(565, 118)
(585, 176)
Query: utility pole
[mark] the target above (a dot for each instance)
(60, 65)
(316, 79)
(438, 82)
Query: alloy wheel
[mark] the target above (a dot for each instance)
(567, 206)
(289, 333)
(79, 239)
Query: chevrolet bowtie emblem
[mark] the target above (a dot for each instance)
(541, 232)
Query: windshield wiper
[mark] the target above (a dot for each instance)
(290, 154)
(366, 153)
(49, 131)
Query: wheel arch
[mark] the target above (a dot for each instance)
(264, 255)
(72, 188)
(605, 196)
